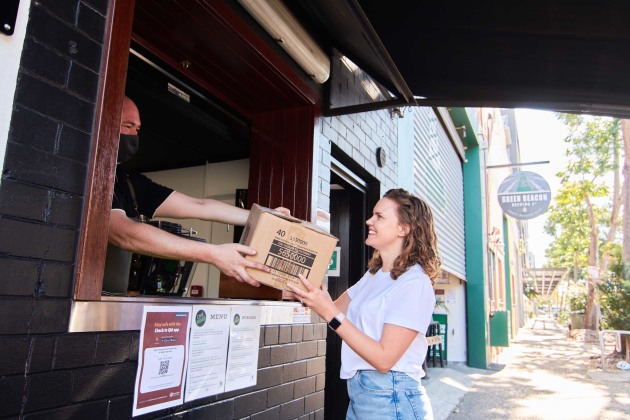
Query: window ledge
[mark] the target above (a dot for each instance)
(114, 313)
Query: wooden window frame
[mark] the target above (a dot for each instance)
(283, 180)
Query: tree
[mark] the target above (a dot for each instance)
(625, 134)
(567, 223)
(586, 206)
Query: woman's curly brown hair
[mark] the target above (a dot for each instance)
(420, 245)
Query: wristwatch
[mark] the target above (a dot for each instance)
(335, 323)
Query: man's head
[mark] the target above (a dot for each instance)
(129, 128)
(130, 122)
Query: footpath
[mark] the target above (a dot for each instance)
(542, 375)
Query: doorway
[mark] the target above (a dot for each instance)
(350, 201)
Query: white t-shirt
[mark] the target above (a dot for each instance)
(376, 300)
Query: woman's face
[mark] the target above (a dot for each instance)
(384, 229)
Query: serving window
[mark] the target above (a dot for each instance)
(215, 97)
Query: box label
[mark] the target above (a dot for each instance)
(289, 259)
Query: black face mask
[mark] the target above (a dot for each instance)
(127, 147)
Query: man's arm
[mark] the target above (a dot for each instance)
(181, 206)
(149, 240)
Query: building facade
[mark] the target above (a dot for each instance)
(255, 121)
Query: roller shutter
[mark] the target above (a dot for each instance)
(438, 179)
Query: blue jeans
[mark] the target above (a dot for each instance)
(385, 396)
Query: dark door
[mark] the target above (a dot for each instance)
(348, 203)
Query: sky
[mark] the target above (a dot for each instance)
(541, 137)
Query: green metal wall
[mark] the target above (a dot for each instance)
(475, 259)
(476, 244)
(508, 271)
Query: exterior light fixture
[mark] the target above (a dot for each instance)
(461, 130)
(285, 29)
(381, 157)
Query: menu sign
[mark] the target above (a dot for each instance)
(209, 335)
(242, 360)
(162, 358)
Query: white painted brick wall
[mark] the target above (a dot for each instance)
(357, 135)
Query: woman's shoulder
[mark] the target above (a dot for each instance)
(415, 272)
(361, 283)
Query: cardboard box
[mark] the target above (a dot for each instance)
(288, 246)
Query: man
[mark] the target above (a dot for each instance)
(136, 196)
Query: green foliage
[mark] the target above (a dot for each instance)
(563, 317)
(577, 303)
(593, 146)
(529, 291)
(568, 223)
(441, 305)
(576, 295)
(615, 294)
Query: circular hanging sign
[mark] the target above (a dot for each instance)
(524, 195)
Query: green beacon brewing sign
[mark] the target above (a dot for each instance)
(524, 195)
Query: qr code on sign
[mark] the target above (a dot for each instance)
(163, 367)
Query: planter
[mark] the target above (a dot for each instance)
(576, 321)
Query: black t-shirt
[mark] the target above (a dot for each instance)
(147, 195)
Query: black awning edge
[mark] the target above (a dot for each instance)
(343, 26)
(396, 77)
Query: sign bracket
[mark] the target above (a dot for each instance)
(510, 165)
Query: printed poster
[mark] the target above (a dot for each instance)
(161, 358)
(301, 315)
(207, 357)
(242, 358)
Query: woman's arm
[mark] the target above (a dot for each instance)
(343, 302)
(382, 354)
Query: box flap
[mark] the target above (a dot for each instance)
(262, 209)
(308, 225)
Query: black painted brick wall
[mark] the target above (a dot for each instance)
(44, 174)
(47, 373)
(69, 375)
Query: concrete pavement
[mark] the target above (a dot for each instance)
(447, 386)
(542, 375)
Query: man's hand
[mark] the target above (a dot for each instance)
(283, 210)
(230, 260)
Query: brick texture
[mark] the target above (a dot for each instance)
(356, 135)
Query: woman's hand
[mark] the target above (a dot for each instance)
(318, 300)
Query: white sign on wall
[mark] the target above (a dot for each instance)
(209, 335)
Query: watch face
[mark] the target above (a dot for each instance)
(334, 324)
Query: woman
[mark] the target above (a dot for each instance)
(383, 318)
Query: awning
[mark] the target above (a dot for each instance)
(343, 26)
(549, 54)
(544, 280)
